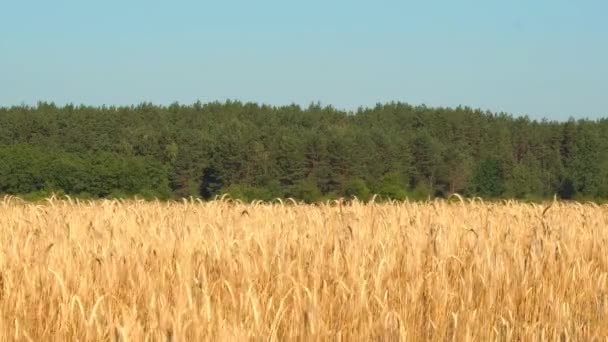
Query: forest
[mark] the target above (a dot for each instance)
(261, 152)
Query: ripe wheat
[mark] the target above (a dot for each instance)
(129, 270)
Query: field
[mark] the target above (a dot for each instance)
(226, 271)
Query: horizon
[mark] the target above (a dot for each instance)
(302, 107)
(542, 60)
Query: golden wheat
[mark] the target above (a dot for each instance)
(130, 270)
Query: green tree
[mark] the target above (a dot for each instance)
(357, 188)
(392, 186)
(488, 179)
(306, 190)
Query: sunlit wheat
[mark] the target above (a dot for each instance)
(223, 270)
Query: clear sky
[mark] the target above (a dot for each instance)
(544, 58)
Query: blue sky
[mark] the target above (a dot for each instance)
(537, 57)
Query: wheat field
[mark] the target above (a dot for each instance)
(227, 271)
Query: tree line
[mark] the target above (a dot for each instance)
(254, 151)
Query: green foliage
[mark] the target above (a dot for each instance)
(255, 151)
(488, 180)
(32, 170)
(248, 193)
(422, 192)
(357, 188)
(392, 186)
(525, 180)
(307, 191)
(21, 169)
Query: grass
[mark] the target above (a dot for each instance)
(223, 271)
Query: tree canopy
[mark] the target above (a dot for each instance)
(254, 151)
